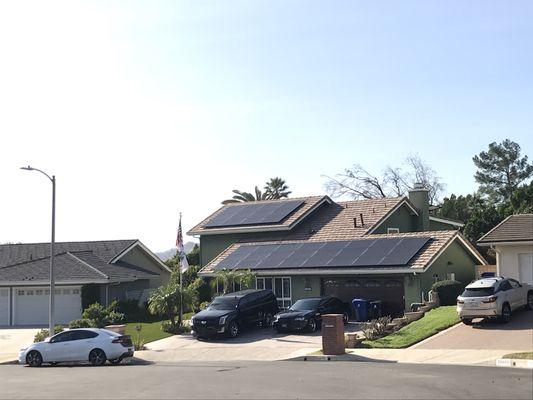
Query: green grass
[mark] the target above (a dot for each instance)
(432, 322)
(150, 331)
(522, 356)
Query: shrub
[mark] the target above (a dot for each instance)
(138, 343)
(43, 333)
(204, 305)
(448, 291)
(81, 323)
(175, 329)
(101, 316)
(376, 328)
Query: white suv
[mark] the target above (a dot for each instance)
(493, 297)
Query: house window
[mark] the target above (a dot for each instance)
(451, 276)
(20, 292)
(29, 292)
(435, 278)
(38, 293)
(75, 291)
(393, 230)
(66, 291)
(281, 288)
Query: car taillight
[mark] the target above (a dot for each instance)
(123, 340)
(491, 299)
(460, 301)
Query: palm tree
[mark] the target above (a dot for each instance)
(242, 197)
(276, 188)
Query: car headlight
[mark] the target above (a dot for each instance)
(276, 318)
(222, 320)
(299, 319)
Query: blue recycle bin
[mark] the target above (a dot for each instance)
(362, 309)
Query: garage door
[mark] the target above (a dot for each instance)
(525, 263)
(31, 305)
(4, 306)
(389, 291)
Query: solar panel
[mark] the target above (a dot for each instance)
(379, 252)
(254, 213)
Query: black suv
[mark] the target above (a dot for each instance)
(228, 313)
(306, 314)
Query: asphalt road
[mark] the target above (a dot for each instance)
(266, 380)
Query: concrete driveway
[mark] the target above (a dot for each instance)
(12, 340)
(517, 335)
(251, 345)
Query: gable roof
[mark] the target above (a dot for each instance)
(79, 262)
(515, 228)
(309, 205)
(439, 241)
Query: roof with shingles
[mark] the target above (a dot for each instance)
(515, 228)
(439, 240)
(73, 262)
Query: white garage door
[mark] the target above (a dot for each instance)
(31, 305)
(4, 306)
(525, 263)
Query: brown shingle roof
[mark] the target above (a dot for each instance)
(515, 228)
(309, 204)
(439, 241)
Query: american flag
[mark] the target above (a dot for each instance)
(184, 265)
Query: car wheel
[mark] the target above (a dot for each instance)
(529, 304)
(233, 329)
(311, 325)
(466, 321)
(34, 359)
(97, 357)
(267, 321)
(345, 318)
(506, 313)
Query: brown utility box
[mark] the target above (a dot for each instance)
(332, 334)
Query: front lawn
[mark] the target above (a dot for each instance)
(522, 356)
(431, 323)
(150, 331)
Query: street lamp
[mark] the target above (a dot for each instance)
(52, 248)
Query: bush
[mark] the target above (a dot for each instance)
(376, 328)
(448, 291)
(204, 305)
(101, 316)
(166, 326)
(81, 323)
(43, 333)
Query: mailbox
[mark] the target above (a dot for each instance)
(333, 334)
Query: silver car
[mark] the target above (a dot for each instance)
(493, 298)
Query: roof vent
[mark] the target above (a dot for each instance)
(362, 221)
(355, 222)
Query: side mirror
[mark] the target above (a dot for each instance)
(47, 340)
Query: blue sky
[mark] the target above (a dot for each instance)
(145, 109)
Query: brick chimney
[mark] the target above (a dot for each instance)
(419, 196)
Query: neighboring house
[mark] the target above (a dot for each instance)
(389, 249)
(512, 240)
(115, 269)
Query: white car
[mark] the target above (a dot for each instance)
(493, 298)
(87, 344)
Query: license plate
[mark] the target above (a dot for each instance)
(283, 325)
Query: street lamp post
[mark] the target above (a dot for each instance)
(52, 248)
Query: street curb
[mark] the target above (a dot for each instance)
(514, 363)
(9, 362)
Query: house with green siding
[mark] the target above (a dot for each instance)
(388, 249)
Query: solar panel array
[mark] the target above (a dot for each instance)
(378, 252)
(254, 214)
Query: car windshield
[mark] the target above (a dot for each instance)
(478, 292)
(224, 303)
(305, 304)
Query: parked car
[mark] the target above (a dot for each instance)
(87, 344)
(227, 314)
(306, 314)
(493, 298)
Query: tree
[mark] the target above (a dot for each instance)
(243, 197)
(276, 188)
(228, 278)
(501, 170)
(359, 183)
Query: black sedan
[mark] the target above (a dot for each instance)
(306, 314)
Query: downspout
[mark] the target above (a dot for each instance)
(498, 253)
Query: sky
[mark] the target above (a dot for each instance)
(145, 109)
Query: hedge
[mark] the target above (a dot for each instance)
(448, 291)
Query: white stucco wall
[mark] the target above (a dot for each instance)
(507, 259)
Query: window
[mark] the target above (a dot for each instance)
(57, 291)
(29, 292)
(505, 285)
(281, 288)
(38, 293)
(393, 230)
(514, 284)
(372, 284)
(20, 292)
(47, 292)
(451, 276)
(75, 291)
(66, 291)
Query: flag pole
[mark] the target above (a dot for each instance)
(181, 283)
